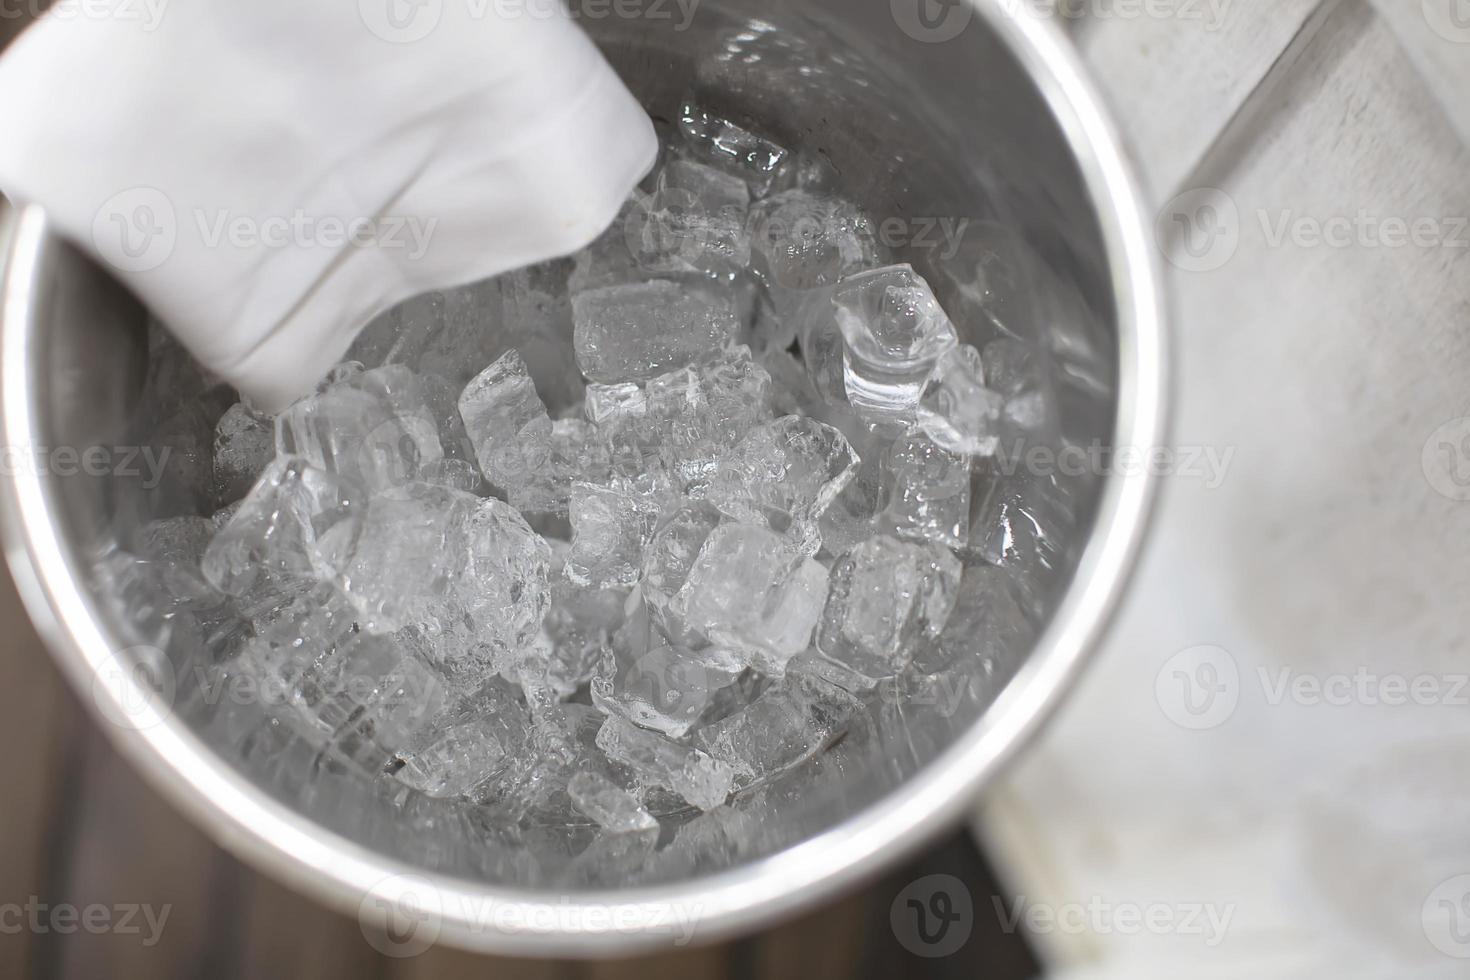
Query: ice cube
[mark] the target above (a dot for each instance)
(608, 804)
(483, 735)
(928, 492)
(657, 761)
(244, 445)
(667, 561)
(457, 474)
(801, 242)
(958, 412)
(373, 428)
(751, 588)
(297, 521)
(575, 634)
(737, 151)
(429, 554)
(1016, 371)
(637, 331)
(665, 689)
(608, 261)
(894, 333)
(694, 222)
(610, 526)
(783, 727)
(506, 422)
(987, 630)
(885, 596)
(789, 469)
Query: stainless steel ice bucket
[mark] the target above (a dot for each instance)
(927, 113)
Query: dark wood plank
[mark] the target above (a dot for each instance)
(34, 718)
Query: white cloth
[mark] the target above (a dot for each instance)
(269, 175)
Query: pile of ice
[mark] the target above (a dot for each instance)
(611, 538)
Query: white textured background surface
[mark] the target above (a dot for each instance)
(1328, 829)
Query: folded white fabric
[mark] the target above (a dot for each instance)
(269, 175)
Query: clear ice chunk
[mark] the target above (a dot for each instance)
(752, 589)
(244, 445)
(928, 491)
(429, 553)
(737, 151)
(885, 596)
(297, 521)
(373, 428)
(610, 526)
(958, 412)
(506, 423)
(894, 332)
(789, 469)
(786, 725)
(667, 562)
(637, 331)
(483, 735)
(987, 629)
(575, 635)
(694, 222)
(1015, 370)
(665, 689)
(657, 761)
(802, 242)
(608, 804)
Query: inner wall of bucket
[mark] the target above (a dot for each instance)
(954, 156)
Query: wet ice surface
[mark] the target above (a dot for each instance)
(619, 540)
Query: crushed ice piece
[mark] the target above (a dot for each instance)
(894, 332)
(637, 331)
(296, 521)
(987, 629)
(610, 526)
(678, 423)
(373, 428)
(786, 725)
(657, 761)
(694, 222)
(575, 451)
(752, 588)
(430, 554)
(457, 474)
(802, 242)
(885, 595)
(665, 689)
(506, 422)
(575, 634)
(1015, 370)
(791, 468)
(483, 735)
(737, 151)
(608, 804)
(959, 412)
(928, 491)
(667, 562)
(244, 445)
